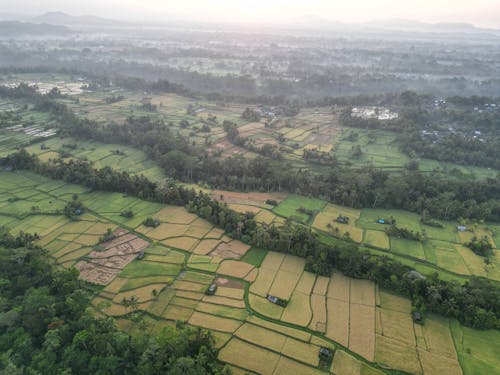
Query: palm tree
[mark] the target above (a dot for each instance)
(134, 302)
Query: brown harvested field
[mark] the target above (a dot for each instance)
(273, 260)
(133, 245)
(321, 285)
(362, 330)
(235, 268)
(214, 322)
(398, 325)
(175, 215)
(143, 294)
(345, 364)
(436, 364)
(123, 238)
(318, 306)
(288, 367)
(183, 243)
(288, 331)
(230, 292)
(293, 264)
(249, 357)
(252, 199)
(339, 287)
(244, 208)
(205, 246)
(179, 313)
(233, 249)
(392, 353)
(337, 324)
(363, 292)
(263, 281)
(306, 282)
(264, 307)
(261, 336)
(231, 302)
(298, 311)
(118, 262)
(438, 339)
(284, 283)
(228, 284)
(301, 351)
(96, 274)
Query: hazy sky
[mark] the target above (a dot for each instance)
(480, 12)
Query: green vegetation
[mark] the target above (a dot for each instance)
(299, 208)
(254, 256)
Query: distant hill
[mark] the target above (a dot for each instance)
(319, 23)
(60, 18)
(15, 28)
(410, 25)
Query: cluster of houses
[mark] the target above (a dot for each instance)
(379, 113)
(33, 131)
(486, 108)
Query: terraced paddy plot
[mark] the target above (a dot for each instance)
(408, 247)
(376, 238)
(404, 219)
(261, 336)
(232, 249)
(264, 307)
(477, 350)
(235, 268)
(294, 204)
(337, 327)
(248, 356)
(214, 322)
(204, 262)
(326, 221)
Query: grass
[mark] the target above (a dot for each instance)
(254, 256)
(377, 238)
(290, 206)
(476, 350)
(408, 247)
